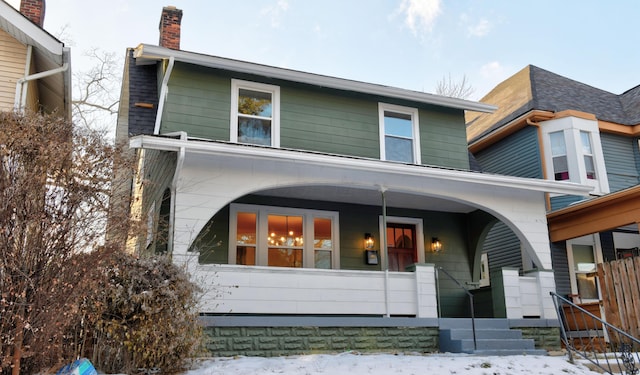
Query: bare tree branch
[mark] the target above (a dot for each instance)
(460, 89)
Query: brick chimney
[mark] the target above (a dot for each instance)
(33, 10)
(170, 27)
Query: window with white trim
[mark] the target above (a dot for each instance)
(573, 152)
(255, 113)
(283, 237)
(399, 133)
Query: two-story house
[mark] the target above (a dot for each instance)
(35, 74)
(302, 200)
(554, 128)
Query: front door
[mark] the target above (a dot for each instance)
(401, 246)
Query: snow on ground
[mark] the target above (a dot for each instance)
(377, 364)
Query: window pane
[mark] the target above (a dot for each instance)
(254, 103)
(586, 143)
(246, 255)
(246, 228)
(583, 259)
(398, 149)
(285, 257)
(254, 131)
(322, 259)
(558, 147)
(560, 168)
(285, 230)
(398, 124)
(588, 165)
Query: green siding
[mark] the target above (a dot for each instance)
(503, 248)
(443, 139)
(517, 155)
(311, 118)
(198, 103)
(622, 170)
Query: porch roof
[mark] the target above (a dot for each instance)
(208, 147)
(146, 54)
(595, 215)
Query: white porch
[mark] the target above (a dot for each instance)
(232, 289)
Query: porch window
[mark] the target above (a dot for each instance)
(254, 113)
(278, 237)
(399, 135)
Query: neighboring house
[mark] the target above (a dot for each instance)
(300, 199)
(553, 128)
(35, 74)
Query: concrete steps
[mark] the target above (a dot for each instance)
(493, 337)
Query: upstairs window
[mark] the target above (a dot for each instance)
(573, 152)
(559, 156)
(587, 153)
(399, 135)
(255, 113)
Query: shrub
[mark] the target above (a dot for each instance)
(147, 317)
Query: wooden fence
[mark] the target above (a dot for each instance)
(620, 285)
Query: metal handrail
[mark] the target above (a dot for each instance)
(473, 318)
(595, 334)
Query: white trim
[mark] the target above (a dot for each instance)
(319, 159)
(415, 128)
(236, 85)
(592, 240)
(418, 222)
(150, 53)
(30, 30)
(263, 212)
(571, 128)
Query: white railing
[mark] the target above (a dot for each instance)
(231, 289)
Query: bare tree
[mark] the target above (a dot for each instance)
(455, 89)
(54, 191)
(95, 94)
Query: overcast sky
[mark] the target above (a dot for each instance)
(410, 44)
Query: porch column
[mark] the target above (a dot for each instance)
(426, 298)
(546, 284)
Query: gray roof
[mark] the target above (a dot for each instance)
(534, 88)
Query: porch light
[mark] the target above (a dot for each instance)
(368, 241)
(436, 245)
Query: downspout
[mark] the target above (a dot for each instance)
(163, 95)
(173, 187)
(385, 253)
(21, 93)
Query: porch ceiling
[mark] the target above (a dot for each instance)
(369, 197)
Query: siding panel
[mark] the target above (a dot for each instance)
(622, 171)
(503, 248)
(517, 155)
(13, 56)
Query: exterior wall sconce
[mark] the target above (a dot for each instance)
(371, 256)
(368, 241)
(436, 245)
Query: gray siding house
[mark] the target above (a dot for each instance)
(554, 128)
(303, 203)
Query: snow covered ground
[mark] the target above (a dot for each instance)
(377, 364)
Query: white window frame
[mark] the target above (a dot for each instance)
(418, 222)
(589, 240)
(415, 121)
(263, 212)
(571, 128)
(236, 85)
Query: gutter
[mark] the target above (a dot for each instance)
(163, 95)
(174, 184)
(21, 93)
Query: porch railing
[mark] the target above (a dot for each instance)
(469, 294)
(590, 337)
